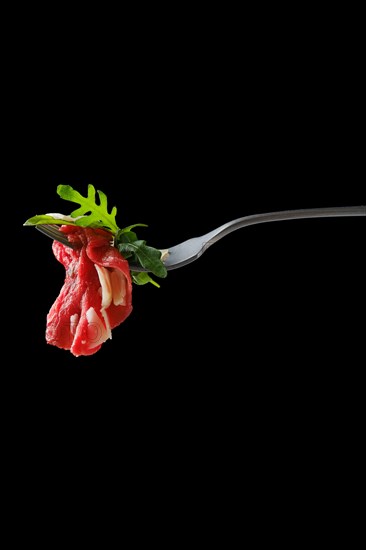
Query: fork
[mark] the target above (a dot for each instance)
(190, 250)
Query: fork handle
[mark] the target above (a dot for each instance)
(304, 213)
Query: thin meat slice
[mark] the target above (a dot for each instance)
(97, 292)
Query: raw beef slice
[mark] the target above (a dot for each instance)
(96, 295)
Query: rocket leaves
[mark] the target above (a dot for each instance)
(89, 214)
(136, 251)
(93, 213)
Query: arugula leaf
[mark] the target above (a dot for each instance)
(95, 215)
(89, 213)
(125, 235)
(136, 251)
(128, 228)
(142, 278)
(148, 257)
(48, 219)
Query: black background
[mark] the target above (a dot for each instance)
(265, 305)
(185, 149)
(258, 345)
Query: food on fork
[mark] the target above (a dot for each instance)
(102, 261)
(97, 293)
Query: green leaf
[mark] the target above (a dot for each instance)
(129, 227)
(142, 278)
(46, 218)
(96, 215)
(125, 237)
(148, 257)
(130, 246)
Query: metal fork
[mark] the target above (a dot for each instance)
(190, 250)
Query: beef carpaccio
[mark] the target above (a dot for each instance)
(96, 295)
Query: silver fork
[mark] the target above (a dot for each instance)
(190, 250)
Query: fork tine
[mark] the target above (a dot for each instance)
(54, 233)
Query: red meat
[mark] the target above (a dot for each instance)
(96, 295)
